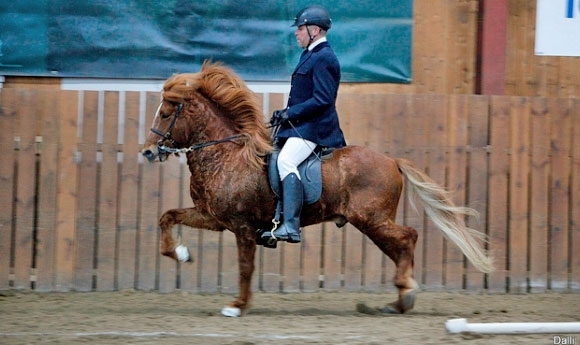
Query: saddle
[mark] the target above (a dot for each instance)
(311, 177)
(310, 174)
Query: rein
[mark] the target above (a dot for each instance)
(165, 149)
(167, 137)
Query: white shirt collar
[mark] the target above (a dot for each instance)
(317, 42)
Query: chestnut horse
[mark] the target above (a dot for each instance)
(214, 119)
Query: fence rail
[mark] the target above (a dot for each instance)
(79, 206)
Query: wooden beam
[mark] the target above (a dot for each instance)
(492, 47)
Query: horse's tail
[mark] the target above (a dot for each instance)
(446, 216)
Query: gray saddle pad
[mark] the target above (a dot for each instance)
(310, 175)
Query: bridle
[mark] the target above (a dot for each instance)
(162, 148)
(167, 136)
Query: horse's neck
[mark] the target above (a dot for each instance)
(212, 172)
(203, 123)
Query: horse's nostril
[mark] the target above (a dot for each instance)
(149, 155)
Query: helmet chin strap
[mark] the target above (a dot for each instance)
(309, 35)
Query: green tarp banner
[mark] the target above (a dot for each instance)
(155, 39)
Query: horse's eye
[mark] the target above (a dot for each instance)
(165, 116)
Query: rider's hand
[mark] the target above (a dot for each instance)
(279, 117)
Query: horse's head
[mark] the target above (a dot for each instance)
(161, 131)
(212, 106)
(161, 139)
(169, 131)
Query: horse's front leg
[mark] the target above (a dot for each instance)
(246, 242)
(186, 216)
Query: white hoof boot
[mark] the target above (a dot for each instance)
(182, 253)
(231, 312)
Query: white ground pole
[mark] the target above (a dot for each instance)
(461, 326)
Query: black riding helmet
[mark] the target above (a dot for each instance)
(313, 15)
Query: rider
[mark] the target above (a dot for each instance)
(310, 118)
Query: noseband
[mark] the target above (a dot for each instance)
(167, 137)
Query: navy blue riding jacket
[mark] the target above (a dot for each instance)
(312, 101)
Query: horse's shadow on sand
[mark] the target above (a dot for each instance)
(361, 310)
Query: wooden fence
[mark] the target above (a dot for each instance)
(79, 206)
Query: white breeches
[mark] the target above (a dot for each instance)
(294, 152)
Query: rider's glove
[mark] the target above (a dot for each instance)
(279, 117)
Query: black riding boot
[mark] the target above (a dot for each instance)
(291, 207)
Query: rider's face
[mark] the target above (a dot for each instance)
(302, 35)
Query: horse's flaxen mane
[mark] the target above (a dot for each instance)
(226, 89)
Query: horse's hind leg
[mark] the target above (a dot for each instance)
(398, 242)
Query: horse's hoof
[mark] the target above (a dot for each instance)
(391, 309)
(231, 312)
(408, 300)
(403, 305)
(182, 253)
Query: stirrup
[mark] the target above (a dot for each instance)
(272, 242)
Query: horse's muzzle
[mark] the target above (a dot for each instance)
(148, 153)
(152, 153)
